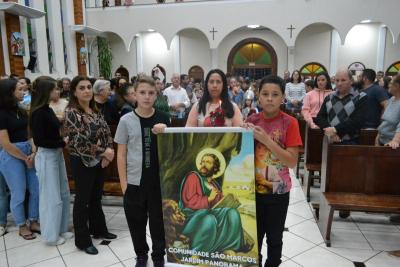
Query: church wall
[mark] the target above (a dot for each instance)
(360, 45)
(194, 50)
(269, 36)
(122, 57)
(313, 45)
(392, 53)
(155, 52)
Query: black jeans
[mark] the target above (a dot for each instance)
(142, 203)
(271, 217)
(88, 213)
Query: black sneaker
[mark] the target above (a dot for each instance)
(158, 263)
(105, 236)
(141, 261)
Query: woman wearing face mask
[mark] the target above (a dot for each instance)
(25, 84)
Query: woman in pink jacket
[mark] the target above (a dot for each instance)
(313, 100)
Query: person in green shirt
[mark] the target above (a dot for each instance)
(161, 102)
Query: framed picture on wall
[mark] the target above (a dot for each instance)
(17, 44)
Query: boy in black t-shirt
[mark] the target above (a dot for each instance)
(139, 172)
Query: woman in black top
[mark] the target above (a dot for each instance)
(49, 162)
(16, 158)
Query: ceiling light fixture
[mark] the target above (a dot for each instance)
(253, 26)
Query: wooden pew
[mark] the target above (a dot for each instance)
(111, 183)
(313, 157)
(313, 153)
(357, 178)
(302, 129)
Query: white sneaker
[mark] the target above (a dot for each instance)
(59, 241)
(68, 235)
(3, 230)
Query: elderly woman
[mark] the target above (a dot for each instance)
(101, 90)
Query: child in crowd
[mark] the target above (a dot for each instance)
(139, 172)
(278, 134)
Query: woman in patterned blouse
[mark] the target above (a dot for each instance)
(90, 147)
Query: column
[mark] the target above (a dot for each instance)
(55, 30)
(24, 32)
(139, 53)
(176, 52)
(335, 43)
(69, 36)
(380, 58)
(214, 59)
(41, 39)
(5, 56)
(290, 58)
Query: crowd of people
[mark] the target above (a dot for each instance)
(41, 118)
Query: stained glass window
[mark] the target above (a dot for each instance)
(393, 69)
(252, 54)
(310, 70)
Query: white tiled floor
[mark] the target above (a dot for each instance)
(360, 238)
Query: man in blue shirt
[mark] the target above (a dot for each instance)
(377, 99)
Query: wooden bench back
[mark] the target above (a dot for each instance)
(314, 139)
(313, 146)
(360, 169)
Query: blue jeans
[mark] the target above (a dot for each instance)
(18, 178)
(54, 194)
(3, 200)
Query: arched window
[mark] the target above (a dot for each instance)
(253, 58)
(310, 70)
(393, 69)
(197, 73)
(356, 68)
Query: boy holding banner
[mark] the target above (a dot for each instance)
(276, 150)
(138, 171)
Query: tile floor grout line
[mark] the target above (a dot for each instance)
(5, 250)
(364, 236)
(114, 255)
(30, 264)
(61, 256)
(301, 252)
(297, 263)
(336, 253)
(304, 238)
(374, 256)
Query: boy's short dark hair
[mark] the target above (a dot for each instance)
(309, 83)
(274, 79)
(145, 79)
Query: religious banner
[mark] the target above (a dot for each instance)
(208, 196)
(17, 44)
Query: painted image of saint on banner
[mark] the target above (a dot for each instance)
(207, 184)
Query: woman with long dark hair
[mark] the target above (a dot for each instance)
(214, 107)
(16, 158)
(313, 100)
(54, 194)
(90, 146)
